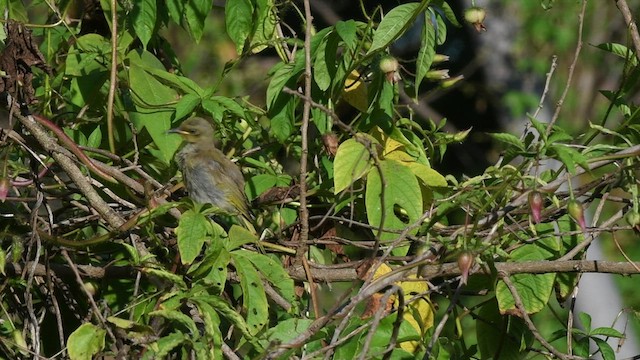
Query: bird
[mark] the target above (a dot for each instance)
(209, 176)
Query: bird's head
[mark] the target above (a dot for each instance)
(194, 130)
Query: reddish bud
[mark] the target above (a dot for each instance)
(576, 211)
(5, 186)
(465, 262)
(535, 204)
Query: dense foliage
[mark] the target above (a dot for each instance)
(362, 249)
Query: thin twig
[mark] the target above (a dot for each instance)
(572, 68)
(94, 306)
(552, 69)
(527, 320)
(112, 75)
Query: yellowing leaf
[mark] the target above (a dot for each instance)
(355, 92)
(429, 176)
(351, 163)
(418, 313)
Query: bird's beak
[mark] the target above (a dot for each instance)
(177, 131)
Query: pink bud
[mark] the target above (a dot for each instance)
(465, 262)
(5, 186)
(535, 204)
(574, 207)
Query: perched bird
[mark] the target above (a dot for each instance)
(209, 176)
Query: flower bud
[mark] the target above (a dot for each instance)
(389, 66)
(439, 58)
(633, 218)
(450, 82)
(441, 74)
(576, 211)
(535, 204)
(475, 16)
(5, 186)
(465, 263)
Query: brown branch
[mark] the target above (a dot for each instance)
(304, 212)
(67, 164)
(339, 273)
(631, 24)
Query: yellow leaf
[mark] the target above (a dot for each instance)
(419, 312)
(355, 92)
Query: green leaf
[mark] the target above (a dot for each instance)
(283, 74)
(179, 318)
(441, 29)
(534, 290)
(585, 320)
(427, 175)
(427, 49)
(211, 327)
(509, 139)
(191, 233)
(501, 336)
(239, 236)
(164, 274)
(85, 342)
(160, 349)
(348, 33)
(254, 299)
(273, 271)
(569, 157)
(325, 67)
(195, 13)
(605, 349)
(400, 191)
(175, 9)
(288, 329)
(449, 14)
(88, 54)
(393, 25)
(143, 19)
(282, 122)
(224, 309)
(186, 105)
(3, 262)
(15, 10)
(265, 25)
(151, 97)
(606, 331)
(229, 104)
(621, 51)
(238, 16)
(352, 162)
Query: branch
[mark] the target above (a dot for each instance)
(631, 24)
(520, 305)
(66, 163)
